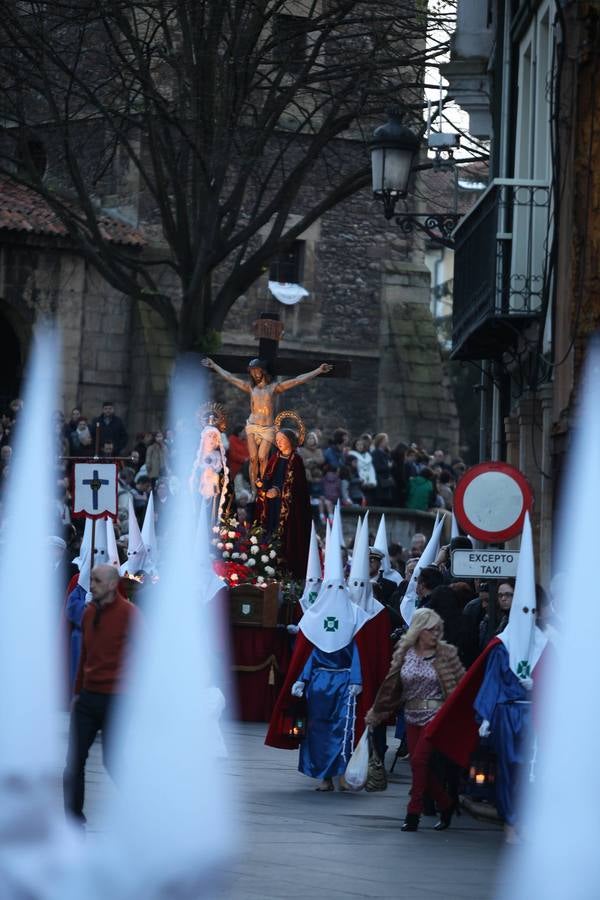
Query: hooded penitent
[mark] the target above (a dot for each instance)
(208, 581)
(149, 537)
(359, 582)
(169, 828)
(86, 543)
(409, 601)
(136, 551)
(521, 637)
(333, 620)
(99, 537)
(381, 544)
(36, 842)
(314, 579)
(112, 552)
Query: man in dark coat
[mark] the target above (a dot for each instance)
(111, 428)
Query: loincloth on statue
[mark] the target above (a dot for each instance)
(261, 432)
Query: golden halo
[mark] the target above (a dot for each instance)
(212, 414)
(290, 414)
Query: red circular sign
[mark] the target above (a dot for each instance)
(491, 500)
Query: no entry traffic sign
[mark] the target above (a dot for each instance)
(491, 500)
(484, 563)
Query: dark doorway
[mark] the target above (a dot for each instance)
(11, 364)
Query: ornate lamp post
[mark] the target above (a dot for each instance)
(393, 151)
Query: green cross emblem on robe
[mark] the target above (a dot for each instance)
(330, 623)
(523, 669)
(312, 597)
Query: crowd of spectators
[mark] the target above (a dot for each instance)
(365, 471)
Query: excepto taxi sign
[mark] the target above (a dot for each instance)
(484, 563)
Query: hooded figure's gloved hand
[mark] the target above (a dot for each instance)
(484, 729)
(355, 690)
(297, 689)
(527, 683)
(292, 629)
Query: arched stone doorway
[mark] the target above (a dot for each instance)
(11, 360)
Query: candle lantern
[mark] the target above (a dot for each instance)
(482, 775)
(294, 719)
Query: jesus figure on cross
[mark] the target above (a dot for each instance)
(260, 426)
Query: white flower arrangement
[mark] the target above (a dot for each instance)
(269, 570)
(231, 534)
(235, 555)
(229, 545)
(234, 577)
(253, 539)
(260, 579)
(244, 556)
(225, 554)
(220, 545)
(251, 562)
(272, 554)
(264, 558)
(254, 550)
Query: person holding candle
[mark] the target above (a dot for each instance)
(424, 671)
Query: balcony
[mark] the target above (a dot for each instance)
(499, 265)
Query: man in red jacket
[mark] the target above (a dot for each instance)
(106, 626)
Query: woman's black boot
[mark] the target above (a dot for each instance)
(411, 822)
(446, 817)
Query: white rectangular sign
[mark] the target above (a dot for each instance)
(95, 493)
(484, 563)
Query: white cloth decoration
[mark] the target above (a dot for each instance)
(287, 292)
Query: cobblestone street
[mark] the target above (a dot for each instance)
(336, 846)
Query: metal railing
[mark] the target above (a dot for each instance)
(500, 258)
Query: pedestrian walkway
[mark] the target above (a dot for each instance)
(304, 845)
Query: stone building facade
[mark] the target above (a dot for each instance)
(368, 303)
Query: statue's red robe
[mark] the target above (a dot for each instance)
(293, 516)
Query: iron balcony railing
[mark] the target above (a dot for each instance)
(499, 266)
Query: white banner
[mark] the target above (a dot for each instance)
(95, 490)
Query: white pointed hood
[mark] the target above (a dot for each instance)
(169, 828)
(112, 551)
(359, 582)
(86, 543)
(382, 545)
(409, 601)
(333, 620)
(36, 842)
(558, 857)
(522, 638)
(356, 535)
(314, 577)
(455, 529)
(136, 551)
(149, 537)
(336, 527)
(100, 554)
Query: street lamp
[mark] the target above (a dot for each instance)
(393, 150)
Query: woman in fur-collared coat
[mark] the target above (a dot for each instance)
(424, 671)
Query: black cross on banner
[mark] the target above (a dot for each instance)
(95, 489)
(95, 484)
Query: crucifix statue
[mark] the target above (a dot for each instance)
(263, 388)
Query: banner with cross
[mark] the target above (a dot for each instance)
(95, 490)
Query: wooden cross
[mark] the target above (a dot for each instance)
(269, 331)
